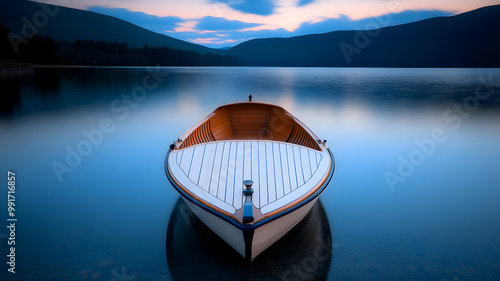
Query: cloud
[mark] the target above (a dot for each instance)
(331, 24)
(219, 32)
(345, 23)
(227, 38)
(187, 26)
(211, 41)
(257, 7)
(151, 22)
(222, 24)
(304, 2)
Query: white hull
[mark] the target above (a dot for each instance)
(263, 236)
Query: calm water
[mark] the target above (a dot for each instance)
(414, 196)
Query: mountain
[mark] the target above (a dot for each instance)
(66, 24)
(471, 39)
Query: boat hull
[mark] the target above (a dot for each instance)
(250, 172)
(249, 242)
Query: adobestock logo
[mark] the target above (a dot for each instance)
(453, 117)
(372, 29)
(32, 25)
(94, 137)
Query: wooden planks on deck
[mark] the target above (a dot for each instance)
(277, 169)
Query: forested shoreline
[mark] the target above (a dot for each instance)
(44, 50)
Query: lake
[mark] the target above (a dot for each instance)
(414, 195)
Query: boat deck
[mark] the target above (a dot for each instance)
(282, 172)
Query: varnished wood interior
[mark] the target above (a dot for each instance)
(250, 121)
(201, 134)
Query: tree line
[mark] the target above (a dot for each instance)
(44, 50)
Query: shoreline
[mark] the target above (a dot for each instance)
(15, 66)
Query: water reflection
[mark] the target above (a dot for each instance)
(441, 223)
(384, 89)
(194, 252)
(47, 82)
(11, 97)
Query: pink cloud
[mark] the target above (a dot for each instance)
(212, 41)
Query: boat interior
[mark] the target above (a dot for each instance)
(249, 121)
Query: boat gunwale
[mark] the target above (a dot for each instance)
(254, 140)
(179, 143)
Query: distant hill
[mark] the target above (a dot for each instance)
(470, 39)
(65, 24)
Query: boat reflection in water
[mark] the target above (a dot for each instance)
(194, 252)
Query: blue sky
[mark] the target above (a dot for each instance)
(225, 23)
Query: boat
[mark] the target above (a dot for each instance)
(250, 171)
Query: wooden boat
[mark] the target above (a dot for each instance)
(250, 171)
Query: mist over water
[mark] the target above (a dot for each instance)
(414, 195)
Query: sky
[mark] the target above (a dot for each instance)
(226, 23)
